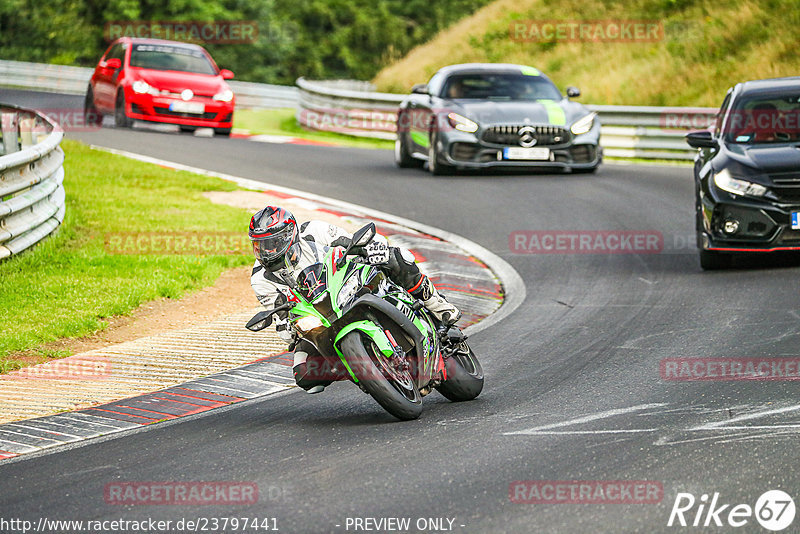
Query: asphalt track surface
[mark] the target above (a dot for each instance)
(577, 365)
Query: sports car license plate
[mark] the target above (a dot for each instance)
(796, 220)
(536, 153)
(187, 107)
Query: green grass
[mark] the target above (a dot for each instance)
(68, 284)
(282, 122)
(706, 48)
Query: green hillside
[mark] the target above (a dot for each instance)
(705, 48)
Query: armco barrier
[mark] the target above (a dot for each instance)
(627, 131)
(354, 108)
(74, 81)
(31, 176)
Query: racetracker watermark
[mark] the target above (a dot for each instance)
(586, 492)
(586, 242)
(177, 243)
(684, 119)
(192, 31)
(181, 493)
(69, 119)
(691, 369)
(81, 367)
(598, 31)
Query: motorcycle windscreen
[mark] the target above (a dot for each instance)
(312, 282)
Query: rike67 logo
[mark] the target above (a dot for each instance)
(774, 510)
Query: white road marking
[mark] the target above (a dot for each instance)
(725, 424)
(587, 418)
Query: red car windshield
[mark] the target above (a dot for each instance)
(166, 57)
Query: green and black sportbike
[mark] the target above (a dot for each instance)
(374, 333)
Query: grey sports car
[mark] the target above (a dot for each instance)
(479, 115)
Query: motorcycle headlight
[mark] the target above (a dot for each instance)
(308, 323)
(141, 87)
(349, 290)
(224, 96)
(461, 123)
(581, 126)
(726, 182)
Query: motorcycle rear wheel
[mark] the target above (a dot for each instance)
(393, 390)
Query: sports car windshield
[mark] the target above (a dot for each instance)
(764, 119)
(165, 57)
(492, 86)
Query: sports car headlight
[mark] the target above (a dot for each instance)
(461, 123)
(349, 289)
(308, 323)
(224, 96)
(581, 126)
(141, 87)
(726, 182)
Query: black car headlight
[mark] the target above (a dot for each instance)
(736, 186)
(461, 123)
(583, 125)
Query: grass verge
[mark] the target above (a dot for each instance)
(705, 48)
(68, 284)
(282, 122)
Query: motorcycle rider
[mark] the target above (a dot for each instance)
(282, 248)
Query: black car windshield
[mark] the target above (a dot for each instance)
(495, 86)
(166, 57)
(765, 118)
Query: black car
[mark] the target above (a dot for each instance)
(480, 115)
(747, 173)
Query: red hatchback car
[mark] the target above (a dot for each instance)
(160, 81)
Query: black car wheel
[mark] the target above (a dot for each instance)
(711, 260)
(187, 129)
(120, 117)
(401, 156)
(222, 132)
(436, 167)
(91, 116)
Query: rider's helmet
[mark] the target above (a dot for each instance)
(275, 237)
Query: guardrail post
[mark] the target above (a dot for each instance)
(8, 124)
(27, 135)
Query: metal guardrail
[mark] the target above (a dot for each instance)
(626, 132)
(74, 81)
(356, 109)
(31, 179)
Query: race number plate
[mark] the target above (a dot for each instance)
(796, 220)
(187, 107)
(536, 153)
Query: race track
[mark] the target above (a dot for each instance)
(576, 366)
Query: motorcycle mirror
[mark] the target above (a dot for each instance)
(363, 235)
(260, 321)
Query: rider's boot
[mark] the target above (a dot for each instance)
(308, 374)
(435, 303)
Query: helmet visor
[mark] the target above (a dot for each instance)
(272, 247)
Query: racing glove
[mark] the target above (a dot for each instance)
(376, 252)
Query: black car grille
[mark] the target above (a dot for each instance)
(583, 153)
(463, 151)
(786, 178)
(208, 115)
(787, 194)
(509, 135)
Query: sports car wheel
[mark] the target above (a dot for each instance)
(121, 118)
(436, 167)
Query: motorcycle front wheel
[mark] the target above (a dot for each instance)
(464, 375)
(394, 390)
